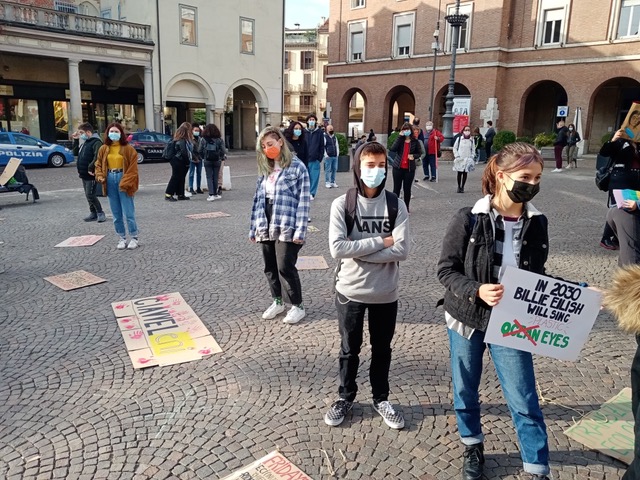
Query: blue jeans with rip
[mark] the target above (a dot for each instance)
(197, 169)
(314, 175)
(122, 207)
(330, 168)
(516, 376)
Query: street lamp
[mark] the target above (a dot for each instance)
(435, 46)
(456, 21)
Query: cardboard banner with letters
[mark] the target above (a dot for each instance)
(200, 216)
(543, 315)
(162, 330)
(82, 241)
(73, 280)
(274, 466)
(311, 263)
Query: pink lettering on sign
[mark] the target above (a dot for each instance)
(144, 360)
(205, 351)
(125, 320)
(281, 466)
(120, 306)
(162, 298)
(136, 335)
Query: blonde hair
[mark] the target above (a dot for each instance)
(622, 298)
(266, 165)
(511, 158)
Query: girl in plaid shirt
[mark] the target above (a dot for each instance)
(279, 220)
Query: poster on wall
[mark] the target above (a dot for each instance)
(461, 110)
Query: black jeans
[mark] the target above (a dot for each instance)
(382, 326)
(403, 180)
(212, 170)
(626, 226)
(90, 192)
(633, 472)
(178, 175)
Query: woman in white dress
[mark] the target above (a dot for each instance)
(463, 156)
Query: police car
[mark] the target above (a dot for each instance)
(32, 150)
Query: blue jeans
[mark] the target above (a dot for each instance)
(330, 168)
(314, 175)
(122, 206)
(197, 169)
(429, 165)
(516, 376)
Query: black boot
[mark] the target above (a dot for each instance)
(473, 462)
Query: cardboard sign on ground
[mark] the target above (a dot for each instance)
(82, 241)
(274, 466)
(542, 315)
(162, 330)
(608, 429)
(10, 170)
(73, 280)
(198, 216)
(311, 263)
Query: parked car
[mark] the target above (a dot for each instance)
(32, 150)
(149, 145)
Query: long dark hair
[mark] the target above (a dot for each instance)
(211, 131)
(184, 132)
(288, 133)
(123, 137)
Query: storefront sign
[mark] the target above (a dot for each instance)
(84, 95)
(6, 90)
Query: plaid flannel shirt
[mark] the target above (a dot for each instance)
(291, 203)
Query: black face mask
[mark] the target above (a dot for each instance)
(522, 192)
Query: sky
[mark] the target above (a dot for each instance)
(307, 13)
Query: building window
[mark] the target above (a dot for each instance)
(306, 60)
(286, 82)
(357, 3)
(403, 25)
(629, 24)
(552, 19)
(188, 25)
(355, 50)
(105, 13)
(287, 60)
(246, 34)
(65, 6)
(306, 82)
(464, 32)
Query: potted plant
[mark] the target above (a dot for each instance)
(344, 163)
(502, 138)
(544, 142)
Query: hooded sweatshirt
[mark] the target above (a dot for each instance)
(368, 272)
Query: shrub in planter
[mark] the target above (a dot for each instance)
(606, 137)
(343, 146)
(528, 140)
(503, 138)
(392, 138)
(544, 139)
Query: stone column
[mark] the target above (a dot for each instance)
(210, 111)
(149, 118)
(75, 97)
(218, 119)
(262, 118)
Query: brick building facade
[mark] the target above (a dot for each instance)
(517, 61)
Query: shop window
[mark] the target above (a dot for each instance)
(629, 23)
(356, 52)
(24, 116)
(403, 24)
(188, 17)
(552, 20)
(464, 32)
(246, 35)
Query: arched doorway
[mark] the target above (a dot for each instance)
(246, 114)
(541, 102)
(609, 106)
(400, 104)
(459, 90)
(186, 101)
(354, 101)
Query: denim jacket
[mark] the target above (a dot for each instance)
(466, 261)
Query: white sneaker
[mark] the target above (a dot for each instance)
(188, 194)
(311, 197)
(295, 315)
(133, 244)
(217, 197)
(328, 185)
(556, 170)
(274, 309)
(211, 198)
(334, 185)
(122, 244)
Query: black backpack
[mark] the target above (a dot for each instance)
(212, 151)
(351, 205)
(169, 150)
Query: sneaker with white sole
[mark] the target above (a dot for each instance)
(391, 417)
(217, 197)
(327, 185)
(334, 185)
(133, 244)
(122, 244)
(295, 315)
(337, 411)
(274, 309)
(188, 194)
(556, 170)
(211, 198)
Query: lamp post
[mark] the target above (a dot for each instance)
(456, 21)
(435, 46)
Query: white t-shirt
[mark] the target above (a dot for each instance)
(270, 181)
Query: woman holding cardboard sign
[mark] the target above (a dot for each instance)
(502, 229)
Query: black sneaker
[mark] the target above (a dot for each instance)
(182, 197)
(199, 190)
(170, 198)
(336, 413)
(91, 218)
(433, 179)
(219, 190)
(425, 179)
(391, 417)
(473, 462)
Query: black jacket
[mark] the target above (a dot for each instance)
(182, 153)
(626, 174)
(301, 149)
(87, 155)
(466, 261)
(398, 147)
(561, 136)
(315, 144)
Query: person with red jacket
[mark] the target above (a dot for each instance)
(432, 140)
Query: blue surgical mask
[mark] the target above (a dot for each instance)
(406, 133)
(196, 133)
(83, 136)
(114, 136)
(312, 123)
(372, 177)
(297, 132)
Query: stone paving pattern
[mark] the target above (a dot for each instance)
(72, 406)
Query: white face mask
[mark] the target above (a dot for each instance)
(429, 128)
(372, 177)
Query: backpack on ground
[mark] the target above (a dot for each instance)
(351, 206)
(169, 150)
(212, 151)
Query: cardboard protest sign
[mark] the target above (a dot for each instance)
(631, 125)
(311, 263)
(608, 429)
(10, 170)
(542, 315)
(73, 280)
(312, 229)
(82, 241)
(274, 466)
(199, 216)
(626, 194)
(162, 330)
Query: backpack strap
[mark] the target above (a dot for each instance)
(392, 207)
(350, 207)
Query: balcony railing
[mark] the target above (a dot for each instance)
(73, 23)
(301, 87)
(305, 109)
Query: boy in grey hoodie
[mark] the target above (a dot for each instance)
(367, 279)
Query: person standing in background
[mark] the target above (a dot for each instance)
(87, 154)
(195, 166)
(404, 153)
(488, 139)
(558, 145)
(213, 153)
(432, 145)
(573, 137)
(182, 152)
(315, 146)
(331, 149)
(416, 123)
(296, 136)
(477, 143)
(464, 157)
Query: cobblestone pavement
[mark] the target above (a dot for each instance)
(71, 405)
